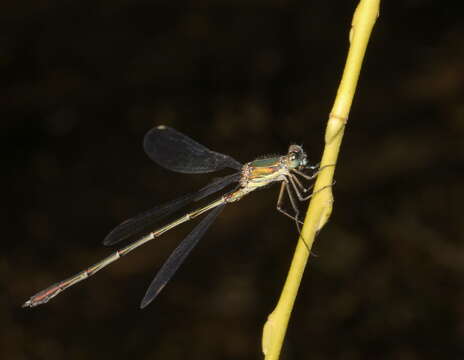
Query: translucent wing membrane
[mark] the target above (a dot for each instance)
(178, 256)
(145, 220)
(177, 152)
(216, 185)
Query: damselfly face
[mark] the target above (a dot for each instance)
(297, 158)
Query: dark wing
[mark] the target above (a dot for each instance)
(149, 218)
(178, 256)
(177, 152)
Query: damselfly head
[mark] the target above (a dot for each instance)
(297, 158)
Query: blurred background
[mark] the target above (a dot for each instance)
(83, 81)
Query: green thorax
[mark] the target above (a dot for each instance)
(267, 162)
(264, 171)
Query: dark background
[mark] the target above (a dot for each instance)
(81, 83)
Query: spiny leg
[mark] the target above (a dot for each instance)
(295, 187)
(283, 187)
(301, 186)
(297, 191)
(292, 178)
(306, 176)
(298, 182)
(295, 208)
(297, 212)
(311, 177)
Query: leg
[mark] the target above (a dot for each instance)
(283, 188)
(300, 185)
(310, 177)
(297, 191)
(295, 187)
(297, 212)
(298, 182)
(307, 177)
(295, 208)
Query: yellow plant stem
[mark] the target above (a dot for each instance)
(320, 207)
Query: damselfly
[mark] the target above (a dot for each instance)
(177, 152)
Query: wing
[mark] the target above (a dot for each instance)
(149, 218)
(178, 256)
(177, 152)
